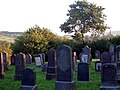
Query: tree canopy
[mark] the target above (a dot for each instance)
(85, 17)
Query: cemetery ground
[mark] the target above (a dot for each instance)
(10, 84)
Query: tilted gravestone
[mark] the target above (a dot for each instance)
(98, 66)
(108, 77)
(118, 53)
(64, 79)
(28, 59)
(51, 69)
(20, 64)
(83, 72)
(28, 77)
(97, 54)
(105, 58)
(2, 73)
(13, 59)
(37, 58)
(5, 59)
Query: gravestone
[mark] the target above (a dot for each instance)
(28, 59)
(112, 53)
(118, 71)
(20, 64)
(105, 58)
(83, 72)
(87, 51)
(43, 57)
(51, 69)
(111, 48)
(118, 53)
(37, 59)
(108, 77)
(84, 58)
(64, 79)
(5, 59)
(13, 59)
(44, 67)
(2, 73)
(98, 66)
(97, 54)
(28, 77)
(74, 61)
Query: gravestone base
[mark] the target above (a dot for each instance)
(62, 85)
(17, 77)
(2, 76)
(109, 88)
(50, 76)
(25, 87)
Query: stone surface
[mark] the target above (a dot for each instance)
(98, 66)
(108, 77)
(118, 53)
(2, 73)
(37, 59)
(83, 72)
(5, 59)
(105, 58)
(13, 59)
(51, 69)
(20, 64)
(28, 77)
(28, 59)
(44, 67)
(111, 48)
(97, 54)
(64, 79)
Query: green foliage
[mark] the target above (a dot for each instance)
(88, 16)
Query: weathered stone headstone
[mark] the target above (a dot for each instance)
(28, 77)
(13, 59)
(44, 67)
(43, 57)
(97, 54)
(105, 58)
(64, 69)
(112, 53)
(111, 49)
(108, 77)
(2, 73)
(118, 53)
(51, 70)
(98, 66)
(74, 61)
(37, 59)
(5, 59)
(118, 71)
(84, 58)
(28, 59)
(83, 72)
(20, 64)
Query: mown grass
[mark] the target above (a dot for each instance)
(10, 84)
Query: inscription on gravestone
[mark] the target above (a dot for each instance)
(64, 69)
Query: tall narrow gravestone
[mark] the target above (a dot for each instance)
(28, 59)
(13, 59)
(118, 53)
(2, 73)
(83, 72)
(19, 65)
(51, 69)
(64, 69)
(112, 53)
(5, 59)
(28, 77)
(108, 77)
(97, 54)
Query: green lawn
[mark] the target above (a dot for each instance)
(10, 84)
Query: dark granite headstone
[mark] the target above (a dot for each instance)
(28, 59)
(28, 77)
(97, 54)
(108, 77)
(13, 59)
(5, 59)
(83, 72)
(111, 49)
(98, 66)
(37, 59)
(64, 69)
(51, 70)
(118, 53)
(105, 58)
(20, 64)
(44, 67)
(118, 71)
(2, 73)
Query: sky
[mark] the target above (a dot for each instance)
(19, 15)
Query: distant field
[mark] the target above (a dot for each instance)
(7, 38)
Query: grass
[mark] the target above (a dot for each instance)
(10, 84)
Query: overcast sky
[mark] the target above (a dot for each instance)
(19, 15)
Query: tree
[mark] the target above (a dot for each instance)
(85, 17)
